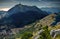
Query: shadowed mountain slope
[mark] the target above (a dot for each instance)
(21, 15)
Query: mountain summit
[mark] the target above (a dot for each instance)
(21, 15)
(24, 8)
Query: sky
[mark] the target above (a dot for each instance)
(7, 4)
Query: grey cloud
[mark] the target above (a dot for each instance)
(10, 3)
(50, 0)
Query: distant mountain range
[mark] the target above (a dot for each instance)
(51, 10)
(2, 14)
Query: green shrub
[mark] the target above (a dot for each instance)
(45, 34)
(26, 35)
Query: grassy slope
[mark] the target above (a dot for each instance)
(37, 25)
(47, 21)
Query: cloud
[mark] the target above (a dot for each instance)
(5, 0)
(29, 0)
(16, 0)
(51, 0)
(11, 3)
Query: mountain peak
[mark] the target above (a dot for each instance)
(23, 8)
(25, 5)
(23, 14)
(19, 5)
